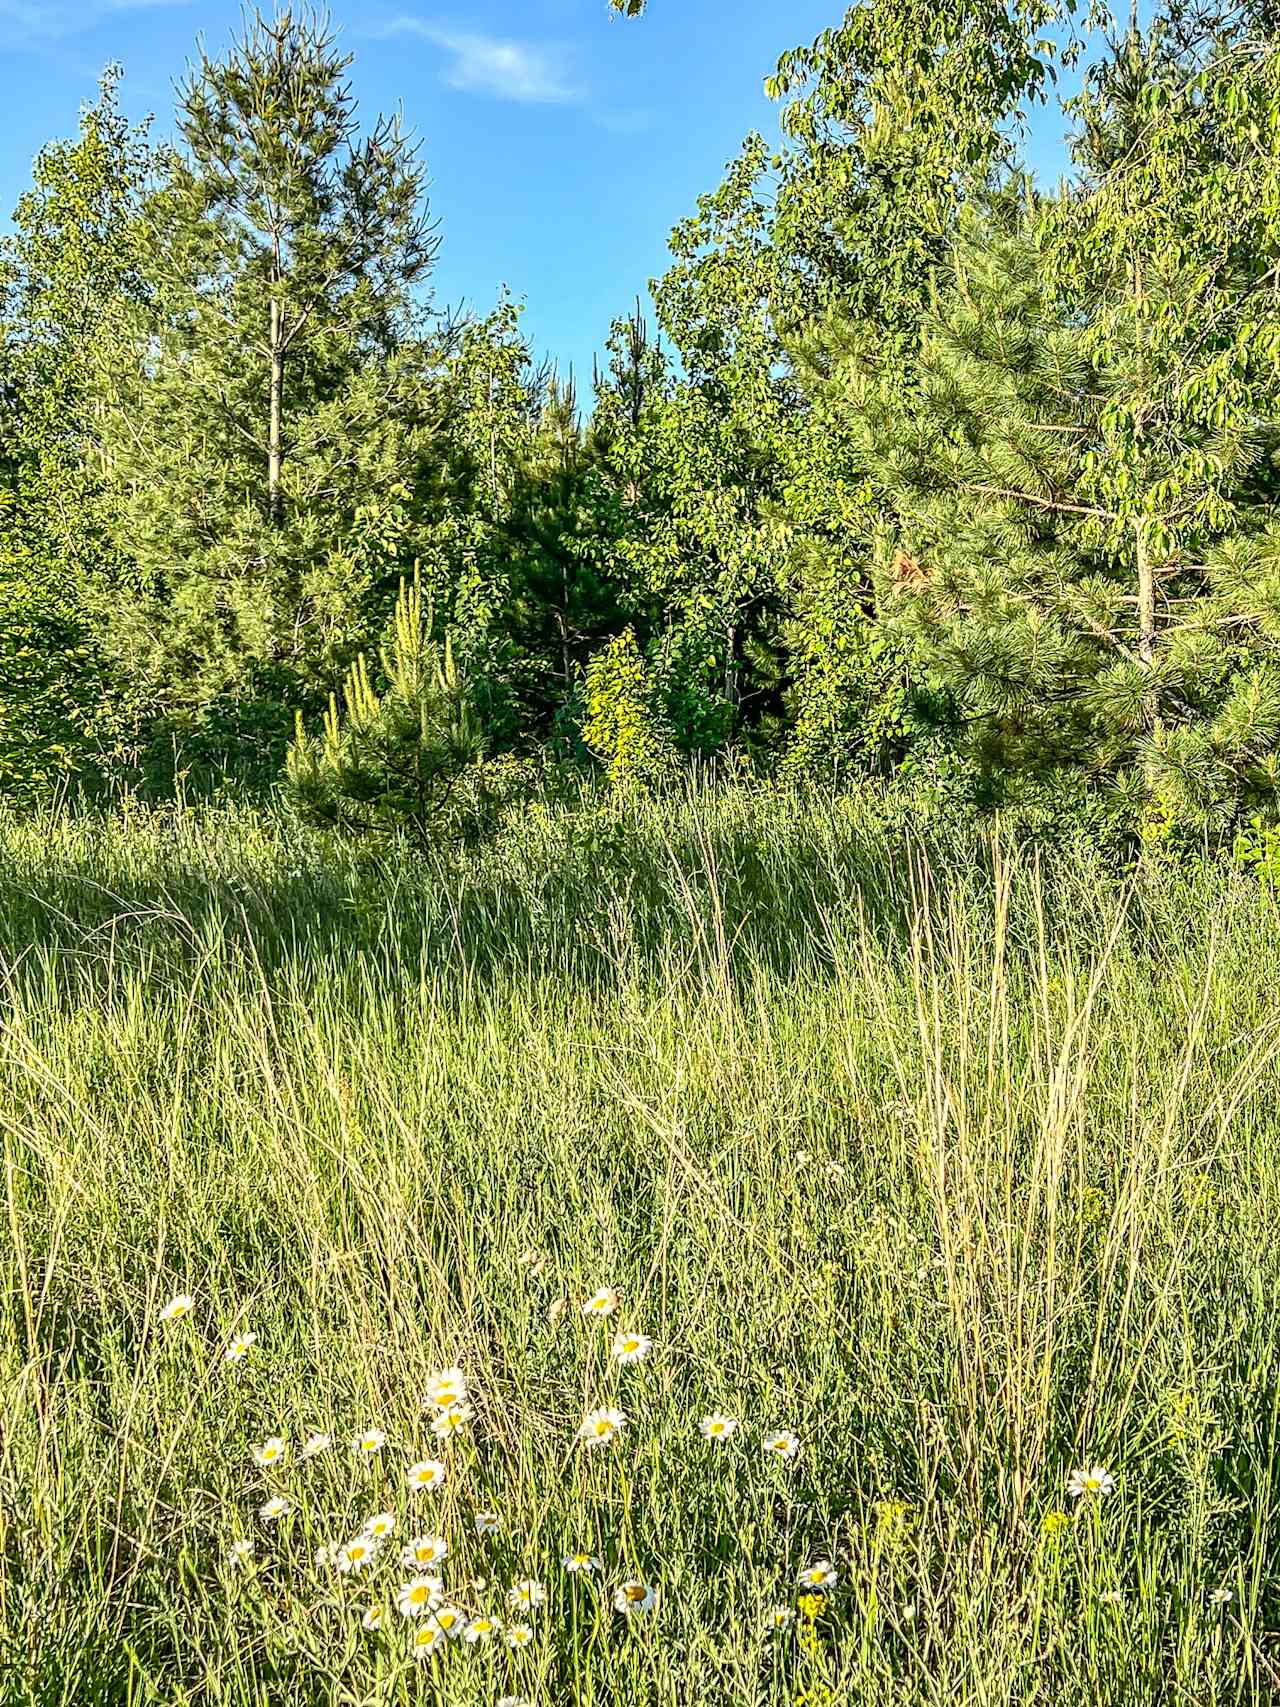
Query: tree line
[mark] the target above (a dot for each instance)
(915, 469)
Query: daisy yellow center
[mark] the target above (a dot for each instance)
(357, 1553)
(604, 1426)
(635, 1592)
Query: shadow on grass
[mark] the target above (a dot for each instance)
(727, 885)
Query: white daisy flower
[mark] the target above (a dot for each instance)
(240, 1552)
(379, 1526)
(1220, 1596)
(274, 1509)
(368, 1443)
(372, 1619)
(780, 1618)
(239, 1348)
(452, 1421)
(314, 1444)
(576, 1562)
(357, 1555)
(445, 1389)
(430, 1473)
(482, 1628)
(1111, 1597)
(781, 1444)
(451, 1620)
(326, 1556)
(419, 1596)
(819, 1576)
(178, 1307)
(513, 1701)
(526, 1596)
(600, 1427)
(631, 1348)
(424, 1550)
(428, 1640)
(272, 1451)
(1094, 1481)
(601, 1303)
(717, 1428)
(488, 1523)
(519, 1635)
(634, 1597)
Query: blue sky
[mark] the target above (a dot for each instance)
(563, 142)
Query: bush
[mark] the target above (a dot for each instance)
(392, 762)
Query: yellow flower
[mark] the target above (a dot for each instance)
(482, 1629)
(428, 1639)
(357, 1555)
(419, 1596)
(634, 1597)
(1090, 1481)
(526, 1596)
(601, 1303)
(451, 1421)
(781, 1444)
(446, 1389)
(631, 1348)
(430, 1473)
(823, 1575)
(602, 1426)
(450, 1620)
(239, 1348)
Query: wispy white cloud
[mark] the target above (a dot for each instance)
(23, 22)
(494, 65)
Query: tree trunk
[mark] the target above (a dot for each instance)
(275, 454)
(1146, 597)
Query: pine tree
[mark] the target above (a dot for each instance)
(271, 435)
(391, 760)
(69, 268)
(1081, 479)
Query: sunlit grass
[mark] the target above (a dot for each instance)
(949, 1176)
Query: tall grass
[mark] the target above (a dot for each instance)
(965, 1170)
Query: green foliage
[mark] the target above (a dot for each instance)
(1076, 484)
(1256, 847)
(925, 474)
(67, 268)
(271, 423)
(624, 726)
(391, 760)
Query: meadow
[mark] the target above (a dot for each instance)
(944, 1171)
